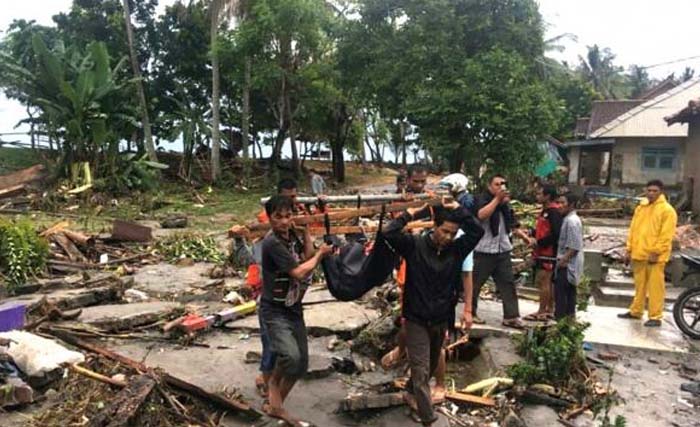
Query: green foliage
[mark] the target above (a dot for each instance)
(551, 353)
(602, 406)
(134, 174)
(78, 95)
(23, 253)
(193, 246)
(583, 293)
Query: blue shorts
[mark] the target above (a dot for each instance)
(268, 359)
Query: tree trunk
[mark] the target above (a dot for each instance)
(295, 151)
(215, 93)
(148, 137)
(245, 122)
(338, 160)
(402, 140)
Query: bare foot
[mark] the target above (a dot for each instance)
(410, 401)
(438, 394)
(391, 359)
(281, 414)
(261, 386)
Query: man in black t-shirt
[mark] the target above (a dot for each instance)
(287, 264)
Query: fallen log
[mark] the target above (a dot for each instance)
(470, 399)
(78, 238)
(21, 177)
(173, 381)
(348, 214)
(12, 191)
(125, 404)
(69, 247)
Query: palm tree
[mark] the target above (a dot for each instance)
(217, 9)
(148, 137)
(598, 69)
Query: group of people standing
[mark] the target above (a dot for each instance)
(469, 243)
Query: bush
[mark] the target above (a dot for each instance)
(193, 246)
(551, 353)
(23, 253)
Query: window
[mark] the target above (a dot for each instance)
(658, 158)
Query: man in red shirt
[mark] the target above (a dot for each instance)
(544, 252)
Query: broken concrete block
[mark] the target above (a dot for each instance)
(593, 265)
(371, 401)
(319, 367)
(131, 232)
(120, 317)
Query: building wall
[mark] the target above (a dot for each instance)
(692, 160)
(627, 161)
(574, 155)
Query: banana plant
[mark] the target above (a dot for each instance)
(81, 98)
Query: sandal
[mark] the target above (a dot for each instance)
(535, 317)
(478, 320)
(513, 323)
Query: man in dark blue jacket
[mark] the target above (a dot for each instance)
(433, 265)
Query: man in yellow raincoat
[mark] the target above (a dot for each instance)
(649, 249)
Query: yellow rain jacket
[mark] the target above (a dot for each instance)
(652, 230)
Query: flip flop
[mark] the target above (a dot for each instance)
(515, 324)
(534, 317)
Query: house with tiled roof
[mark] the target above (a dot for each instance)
(690, 116)
(627, 142)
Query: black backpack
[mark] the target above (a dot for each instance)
(352, 272)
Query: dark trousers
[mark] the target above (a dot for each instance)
(423, 344)
(564, 295)
(500, 267)
(288, 343)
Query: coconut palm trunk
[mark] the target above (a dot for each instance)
(145, 121)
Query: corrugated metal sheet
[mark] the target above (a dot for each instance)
(647, 120)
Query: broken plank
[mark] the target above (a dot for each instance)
(78, 238)
(350, 213)
(12, 191)
(130, 231)
(470, 399)
(335, 230)
(226, 403)
(124, 405)
(22, 176)
(59, 226)
(69, 247)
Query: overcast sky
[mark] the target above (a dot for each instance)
(642, 32)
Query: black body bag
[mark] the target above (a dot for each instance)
(352, 272)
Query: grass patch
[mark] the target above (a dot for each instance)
(14, 159)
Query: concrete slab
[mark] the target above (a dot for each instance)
(222, 365)
(318, 295)
(171, 281)
(605, 328)
(117, 317)
(67, 299)
(342, 318)
(622, 297)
